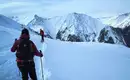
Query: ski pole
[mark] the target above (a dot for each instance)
(41, 66)
(19, 72)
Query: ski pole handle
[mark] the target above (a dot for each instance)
(40, 51)
(15, 39)
(42, 68)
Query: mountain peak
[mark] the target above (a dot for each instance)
(125, 14)
(36, 16)
(7, 22)
(39, 18)
(76, 14)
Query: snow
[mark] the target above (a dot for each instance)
(8, 66)
(87, 61)
(41, 23)
(117, 38)
(70, 61)
(7, 59)
(7, 22)
(119, 21)
(65, 60)
(73, 61)
(75, 23)
(7, 35)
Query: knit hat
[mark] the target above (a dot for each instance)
(25, 31)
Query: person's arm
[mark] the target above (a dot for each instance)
(40, 32)
(36, 52)
(14, 47)
(43, 36)
(43, 33)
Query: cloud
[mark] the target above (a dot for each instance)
(51, 8)
(92, 7)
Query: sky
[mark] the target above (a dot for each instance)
(51, 8)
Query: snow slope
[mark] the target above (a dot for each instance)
(67, 60)
(87, 61)
(9, 30)
(8, 66)
(7, 59)
(9, 23)
(7, 35)
(72, 61)
(119, 21)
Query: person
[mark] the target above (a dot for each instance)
(42, 35)
(25, 51)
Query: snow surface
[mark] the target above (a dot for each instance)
(66, 60)
(8, 66)
(72, 61)
(7, 22)
(87, 61)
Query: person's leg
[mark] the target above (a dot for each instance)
(32, 71)
(42, 38)
(24, 71)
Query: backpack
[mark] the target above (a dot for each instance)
(25, 50)
(41, 32)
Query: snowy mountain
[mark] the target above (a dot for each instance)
(40, 23)
(15, 18)
(81, 26)
(9, 23)
(8, 30)
(126, 35)
(74, 27)
(65, 60)
(7, 35)
(119, 21)
(111, 35)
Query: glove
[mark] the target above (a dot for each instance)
(15, 39)
(41, 55)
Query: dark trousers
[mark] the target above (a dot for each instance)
(42, 38)
(27, 68)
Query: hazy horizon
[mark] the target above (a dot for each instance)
(51, 8)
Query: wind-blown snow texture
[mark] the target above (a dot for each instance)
(87, 61)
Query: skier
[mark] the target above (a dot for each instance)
(42, 35)
(25, 51)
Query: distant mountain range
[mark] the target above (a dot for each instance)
(77, 27)
(121, 23)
